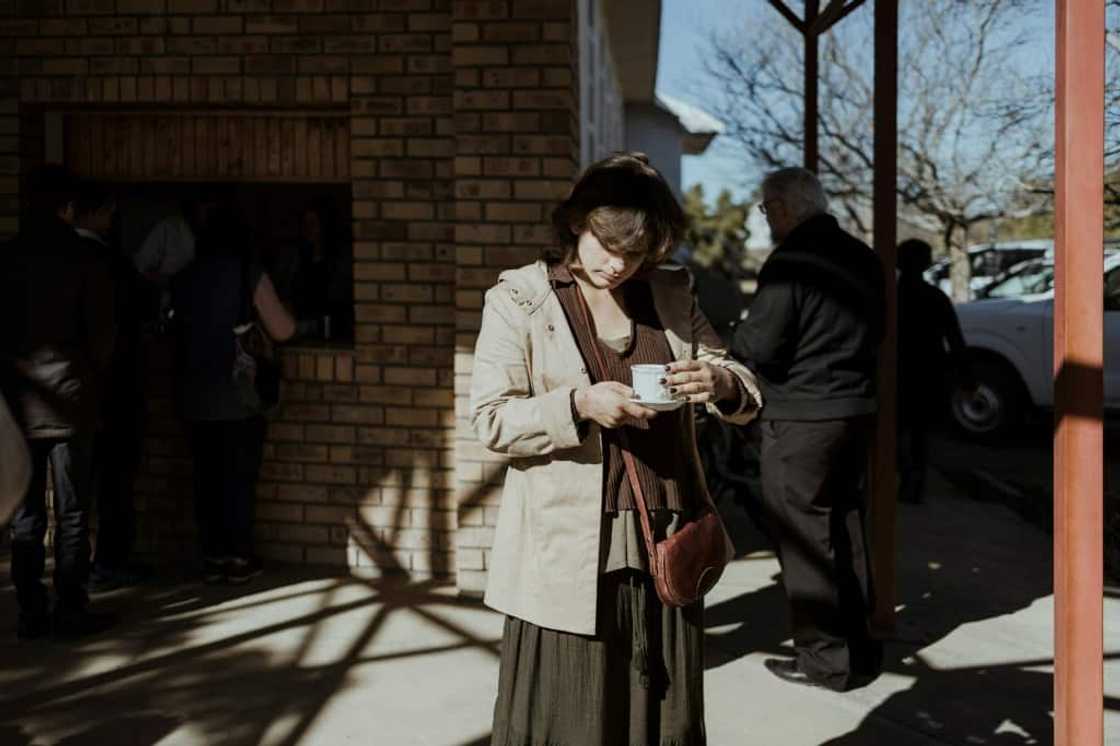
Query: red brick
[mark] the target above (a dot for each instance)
(358, 415)
(243, 44)
(326, 24)
(296, 45)
(549, 9)
(378, 23)
(275, 64)
(479, 56)
(542, 54)
(89, 7)
(481, 100)
(47, 27)
(324, 64)
(271, 25)
(404, 43)
(513, 212)
(248, 6)
(511, 122)
(356, 44)
(297, 6)
(192, 6)
(192, 45)
(542, 100)
(377, 64)
(481, 9)
(140, 46)
(482, 189)
(218, 25)
(305, 493)
(216, 65)
(511, 32)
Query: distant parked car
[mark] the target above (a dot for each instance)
(988, 261)
(1010, 338)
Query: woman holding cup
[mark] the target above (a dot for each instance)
(589, 654)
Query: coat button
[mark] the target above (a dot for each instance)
(513, 290)
(583, 370)
(551, 328)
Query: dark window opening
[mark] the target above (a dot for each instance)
(300, 234)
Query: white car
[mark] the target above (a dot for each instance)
(1010, 337)
(988, 261)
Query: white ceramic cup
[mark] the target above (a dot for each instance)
(647, 383)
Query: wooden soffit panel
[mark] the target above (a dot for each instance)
(220, 146)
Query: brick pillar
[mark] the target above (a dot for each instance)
(517, 145)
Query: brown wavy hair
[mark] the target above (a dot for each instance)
(626, 204)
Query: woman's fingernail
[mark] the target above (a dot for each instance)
(661, 380)
(673, 390)
(668, 367)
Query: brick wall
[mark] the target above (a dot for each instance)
(463, 133)
(517, 145)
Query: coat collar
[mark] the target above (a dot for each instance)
(530, 287)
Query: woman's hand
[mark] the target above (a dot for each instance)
(608, 403)
(701, 382)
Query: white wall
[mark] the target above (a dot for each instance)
(656, 133)
(600, 106)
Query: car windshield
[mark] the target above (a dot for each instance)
(1030, 278)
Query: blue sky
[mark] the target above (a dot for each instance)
(680, 73)
(685, 26)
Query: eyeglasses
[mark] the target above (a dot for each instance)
(762, 205)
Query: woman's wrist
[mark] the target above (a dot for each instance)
(579, 404)
(726, 385)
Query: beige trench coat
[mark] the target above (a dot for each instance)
(544, 565)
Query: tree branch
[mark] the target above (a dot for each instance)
(789, 15)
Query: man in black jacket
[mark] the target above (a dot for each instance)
(56, 300)
(117, 450)
(812, 337)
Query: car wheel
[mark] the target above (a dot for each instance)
(993, 406)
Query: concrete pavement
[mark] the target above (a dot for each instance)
(298, 657)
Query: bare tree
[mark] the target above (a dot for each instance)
(973, 131)
(1112, 117)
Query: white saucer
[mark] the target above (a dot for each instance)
(660, 406)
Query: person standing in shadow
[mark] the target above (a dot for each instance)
(930, 348)
(812, 337)
(56, 344)
(223, 289)
(117, 450)
(316, 278)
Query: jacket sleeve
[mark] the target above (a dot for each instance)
(710, 349)
(508, 417)
(767, 338)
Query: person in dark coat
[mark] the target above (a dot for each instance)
(223, 289)
(56, 299)
(812, 336)
(117, 450)
(930, 349)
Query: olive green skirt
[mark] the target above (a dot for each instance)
(638, 682)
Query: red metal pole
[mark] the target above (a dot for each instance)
(812, 68)
(884, 489)
(1078, 371)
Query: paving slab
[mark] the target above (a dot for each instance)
(303, 657)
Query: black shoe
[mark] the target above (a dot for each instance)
(214, 570)
(32, 626)
(242, 569)
(72, 623)
(787, 669)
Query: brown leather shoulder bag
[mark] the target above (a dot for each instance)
(686, 565)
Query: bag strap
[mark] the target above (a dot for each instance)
(627, 457)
